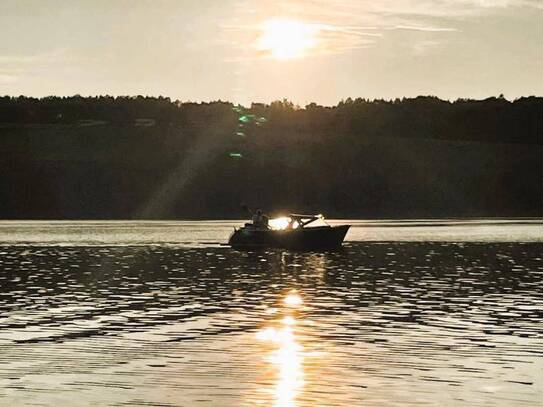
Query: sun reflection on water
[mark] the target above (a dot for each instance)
(293, 299)
(287, 356)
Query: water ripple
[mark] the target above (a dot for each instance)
(375, 324)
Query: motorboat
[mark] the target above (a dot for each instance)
(295, 231)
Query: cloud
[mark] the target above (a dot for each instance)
(51, 57)
(423, 47)
(337, 39)
(330, 38)
(504, 3)
(424, 28)
(7, 79)
(340, 25)
(347, 25)
(381, 10)
(24, 65)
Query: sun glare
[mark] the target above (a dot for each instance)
(293, 300)
(279, 223)
(287, 39)
(283, 223)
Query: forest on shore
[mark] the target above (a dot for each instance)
(153, 158)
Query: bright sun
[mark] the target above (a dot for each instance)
(287, 39)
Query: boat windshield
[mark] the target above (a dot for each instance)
(296, 221)
(282, 223)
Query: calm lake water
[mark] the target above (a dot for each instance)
(409, 313)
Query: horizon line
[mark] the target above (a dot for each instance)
(296, 105)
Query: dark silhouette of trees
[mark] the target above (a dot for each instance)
(130, 157)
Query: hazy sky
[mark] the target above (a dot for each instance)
(261, 50)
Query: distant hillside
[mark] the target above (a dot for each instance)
(139, 157)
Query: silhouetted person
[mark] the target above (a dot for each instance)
(260, 220)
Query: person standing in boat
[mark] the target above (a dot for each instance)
(260, 220)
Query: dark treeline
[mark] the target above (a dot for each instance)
(141, 157)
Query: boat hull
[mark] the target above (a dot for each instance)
(313, 238)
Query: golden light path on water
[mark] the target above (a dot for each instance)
(287, 354)
(387, 324)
